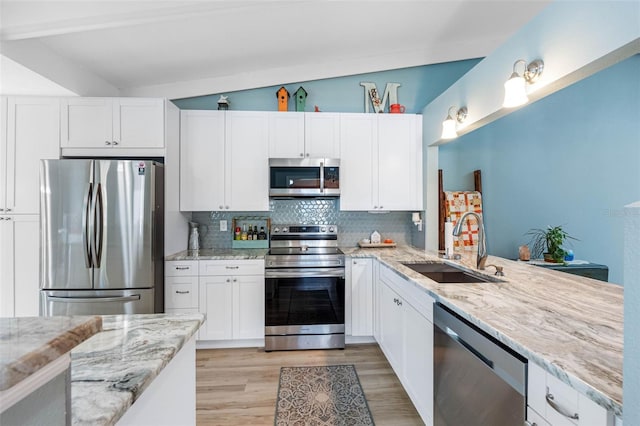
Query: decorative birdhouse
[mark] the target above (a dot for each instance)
(223, 103)
(300, 96)
(283, 99)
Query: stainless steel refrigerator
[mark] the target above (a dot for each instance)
(101, 237)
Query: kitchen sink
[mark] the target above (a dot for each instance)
(445, 273)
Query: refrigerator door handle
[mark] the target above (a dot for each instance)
(99, 226)
(87, 226)
(132, 298)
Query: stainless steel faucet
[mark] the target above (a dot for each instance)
(482, 243)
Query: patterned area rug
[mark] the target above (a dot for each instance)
(321, 396)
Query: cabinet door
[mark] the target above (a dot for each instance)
(362, 297)
(216, 301)
(138, 123)
(286, 134)
(19, 261)
(247, 161)
(86, 123)
(358, 162)
(322, 135)
(397, 178)
(33, 133)
(391, 327)
(3, 153)
(202, 136)
(418, 361)
(248, 307)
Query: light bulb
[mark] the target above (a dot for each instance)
(515, 93)
(449, 128)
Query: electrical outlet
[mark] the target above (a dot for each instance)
(223, 225)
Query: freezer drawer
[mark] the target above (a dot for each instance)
(101, 302)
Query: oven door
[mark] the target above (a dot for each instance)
(304, 301)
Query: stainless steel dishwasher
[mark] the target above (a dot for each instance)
(477, 380)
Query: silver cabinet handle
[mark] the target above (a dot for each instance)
(1, 210)
(115, 143)
(228, 280)
(382, 207)
(221, 207)
(301, 155)
(182, 291)
(528, 423)
(559, 408)
(226, 207)
(107, 143)
(182, 268)
(232, 267)
(8, 210)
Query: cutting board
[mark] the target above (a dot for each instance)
(376, 245)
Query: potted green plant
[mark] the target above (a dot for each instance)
(548, 243)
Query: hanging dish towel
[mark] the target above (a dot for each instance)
(457, 203)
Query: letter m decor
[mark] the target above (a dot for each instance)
(371, 95)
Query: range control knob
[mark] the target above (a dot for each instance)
(276, 230)
(331, 229)
(285, 229)
(323, 229)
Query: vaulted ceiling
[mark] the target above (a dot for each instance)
(178, 49)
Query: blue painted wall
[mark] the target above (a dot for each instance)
(419, 85)
(571, 159)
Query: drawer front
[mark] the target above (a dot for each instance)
(232, 267)
(181, 293)
(419, 299)
(565, 399)
(535, 419)
(180, 268)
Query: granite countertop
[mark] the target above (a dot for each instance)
(112, 369)
(218, 254)
(571, 326)
(28, 344)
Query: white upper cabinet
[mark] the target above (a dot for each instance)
(302, 135)
(247, 161)
(202, 144)
(399, 163)
(322, 134)
(31, 132)
(112, 123)
(381, 162)
(358, 162)
(224, 161)
(286, 134)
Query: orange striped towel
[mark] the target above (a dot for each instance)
(456, 204)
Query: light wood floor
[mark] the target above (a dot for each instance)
(239, 386)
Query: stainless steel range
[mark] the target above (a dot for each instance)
(304, 288)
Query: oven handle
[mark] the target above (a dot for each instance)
(305, 273)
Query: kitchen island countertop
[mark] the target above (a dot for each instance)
(28, 344)
(571, 326)
(113, 368)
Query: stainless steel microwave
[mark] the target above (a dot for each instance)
(304, 177)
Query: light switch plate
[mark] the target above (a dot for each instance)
(223, 225)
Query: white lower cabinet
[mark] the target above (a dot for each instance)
(19, 265)
(229, 292)
(552, 401)
(406, 337)
(231, 295)
(361, 297)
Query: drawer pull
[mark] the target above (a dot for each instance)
(559, 408)
(527, 423)
(182, 268)
(232, 267)
(182, 291)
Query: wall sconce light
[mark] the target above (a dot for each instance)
(449, 124)
(515, 93)
(417, 220)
